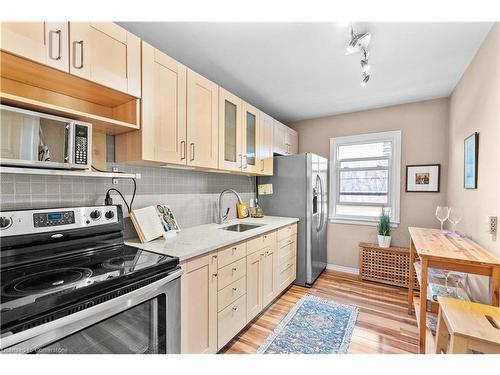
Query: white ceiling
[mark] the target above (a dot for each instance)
(296, 71)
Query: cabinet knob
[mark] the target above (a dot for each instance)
(214, 274)
(214, 256)
(234, 289)
(234, 269)
(235, 308)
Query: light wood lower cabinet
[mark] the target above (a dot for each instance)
(287, 256)
(224, 290)
(254, 283)
(199, 305)
(231, 320)
(270, 268)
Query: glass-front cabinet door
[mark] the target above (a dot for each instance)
(251, 117)
(230, 135)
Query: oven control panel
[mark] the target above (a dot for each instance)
(53, 218)
(25, 222)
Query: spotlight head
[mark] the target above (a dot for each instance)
(357, 42)
(365, 66)
(365, 79)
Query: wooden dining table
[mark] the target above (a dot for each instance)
(447, 251)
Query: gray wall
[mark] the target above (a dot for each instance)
(192, 195)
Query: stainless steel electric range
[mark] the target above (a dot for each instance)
(70, 285)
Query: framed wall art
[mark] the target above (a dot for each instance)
(471, 150)
(423, 178)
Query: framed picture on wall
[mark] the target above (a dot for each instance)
(423, 178)
(471, 149)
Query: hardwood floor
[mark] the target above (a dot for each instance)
(383, 325)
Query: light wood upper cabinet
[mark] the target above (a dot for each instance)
(250, 138)
(162, 137)
(286, 140)
(292, 141)
(279, 131)
(230, 131)
(199, 305)
(43, 42)
(105, 53)
(202, 121)
(265, 150)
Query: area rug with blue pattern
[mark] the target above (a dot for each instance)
(313, 326)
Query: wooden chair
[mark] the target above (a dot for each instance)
(467, 326)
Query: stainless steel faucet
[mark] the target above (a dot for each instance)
(222, 217)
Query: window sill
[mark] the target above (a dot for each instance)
(370, 223)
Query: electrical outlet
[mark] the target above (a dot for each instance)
(114, 181)
(114, 169)
(265, 189)
(493, 224)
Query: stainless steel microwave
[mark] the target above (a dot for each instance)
(38, 140)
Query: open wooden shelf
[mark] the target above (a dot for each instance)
(30, 85)
(430, 340)
(67, 173)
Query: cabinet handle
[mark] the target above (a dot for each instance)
(75, 43)
(191, 145)
(183, 150)
(58, 33)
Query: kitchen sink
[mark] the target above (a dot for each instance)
(241, 227)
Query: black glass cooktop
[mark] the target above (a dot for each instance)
(34, 288)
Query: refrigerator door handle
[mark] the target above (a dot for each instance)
(319, 184)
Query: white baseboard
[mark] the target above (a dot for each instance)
(336, 267)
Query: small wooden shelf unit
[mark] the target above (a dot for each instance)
(446, 251)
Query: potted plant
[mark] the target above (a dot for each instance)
(384, 230)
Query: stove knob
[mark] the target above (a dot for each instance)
(94, 215)
(109, 215)
(5, 222)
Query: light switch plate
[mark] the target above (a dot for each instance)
(265, 189)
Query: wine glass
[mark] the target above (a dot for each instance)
(442, 214)
(455, 217)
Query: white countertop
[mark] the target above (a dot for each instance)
(194, 241)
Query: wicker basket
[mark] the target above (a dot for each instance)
(385, 265)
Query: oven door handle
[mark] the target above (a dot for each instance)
(45, 334)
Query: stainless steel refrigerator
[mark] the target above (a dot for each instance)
(300, 189)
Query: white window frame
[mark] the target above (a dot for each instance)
(394, 176)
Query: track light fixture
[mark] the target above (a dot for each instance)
(359, 43)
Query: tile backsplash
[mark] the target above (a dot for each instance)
(193, 195)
